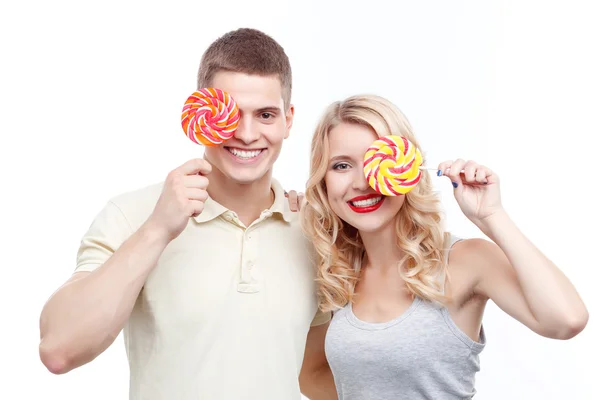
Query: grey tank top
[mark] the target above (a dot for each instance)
(421, 354)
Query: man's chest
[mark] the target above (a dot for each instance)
(207, 275)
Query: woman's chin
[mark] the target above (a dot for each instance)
(369, 224)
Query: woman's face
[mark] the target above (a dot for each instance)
(348, 192)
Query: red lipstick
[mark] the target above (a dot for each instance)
(367, 209)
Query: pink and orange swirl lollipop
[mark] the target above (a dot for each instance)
(392, 165)
(210, 117)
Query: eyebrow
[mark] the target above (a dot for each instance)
(271, 109)
(339, 158)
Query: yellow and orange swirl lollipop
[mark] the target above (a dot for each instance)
(392, 165)
(210, 116)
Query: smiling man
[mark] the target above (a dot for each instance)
(208, 272)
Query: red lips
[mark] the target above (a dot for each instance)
(368, 209)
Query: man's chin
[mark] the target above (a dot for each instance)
(241, 173)
(245, 177)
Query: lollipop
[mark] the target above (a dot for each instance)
(392, 165)
(210, 117)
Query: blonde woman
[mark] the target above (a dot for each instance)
(408, 298)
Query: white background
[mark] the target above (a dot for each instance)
(90, 100)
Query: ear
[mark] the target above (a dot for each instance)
(289, 120)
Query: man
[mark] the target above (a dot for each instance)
(208, 273)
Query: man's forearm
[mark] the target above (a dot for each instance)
(85, 316)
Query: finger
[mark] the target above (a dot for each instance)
(454, 172)
(443, 167)
(300, 200)
(481, 176)
(490, 176)
(195, 181)
(469, 171)
(196, 166)
(196, 194)
(195, 208)
(293, 200)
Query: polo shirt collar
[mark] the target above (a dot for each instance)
(212, 210)
(280, 206)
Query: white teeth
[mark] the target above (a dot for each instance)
(245, 154)
(367, 203)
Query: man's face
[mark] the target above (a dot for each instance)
(264, 123)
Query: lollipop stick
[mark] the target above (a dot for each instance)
(435, 169)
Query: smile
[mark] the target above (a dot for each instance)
(245, 154)
(365, 204)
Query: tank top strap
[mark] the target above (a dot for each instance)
(449, 242)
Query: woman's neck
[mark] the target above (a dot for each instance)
(381, 247)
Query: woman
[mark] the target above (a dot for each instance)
(408, 297)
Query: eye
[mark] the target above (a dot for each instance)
(266, 115)
(341, 166)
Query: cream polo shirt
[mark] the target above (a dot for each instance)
(225, 312)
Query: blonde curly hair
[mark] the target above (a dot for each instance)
(339, 249)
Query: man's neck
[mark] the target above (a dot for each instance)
(246, 200)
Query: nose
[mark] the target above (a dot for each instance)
(246, 132)
(359, 181)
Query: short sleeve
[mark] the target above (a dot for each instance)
(105, 235)
(321, 318)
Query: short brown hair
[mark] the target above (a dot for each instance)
(249, 51)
